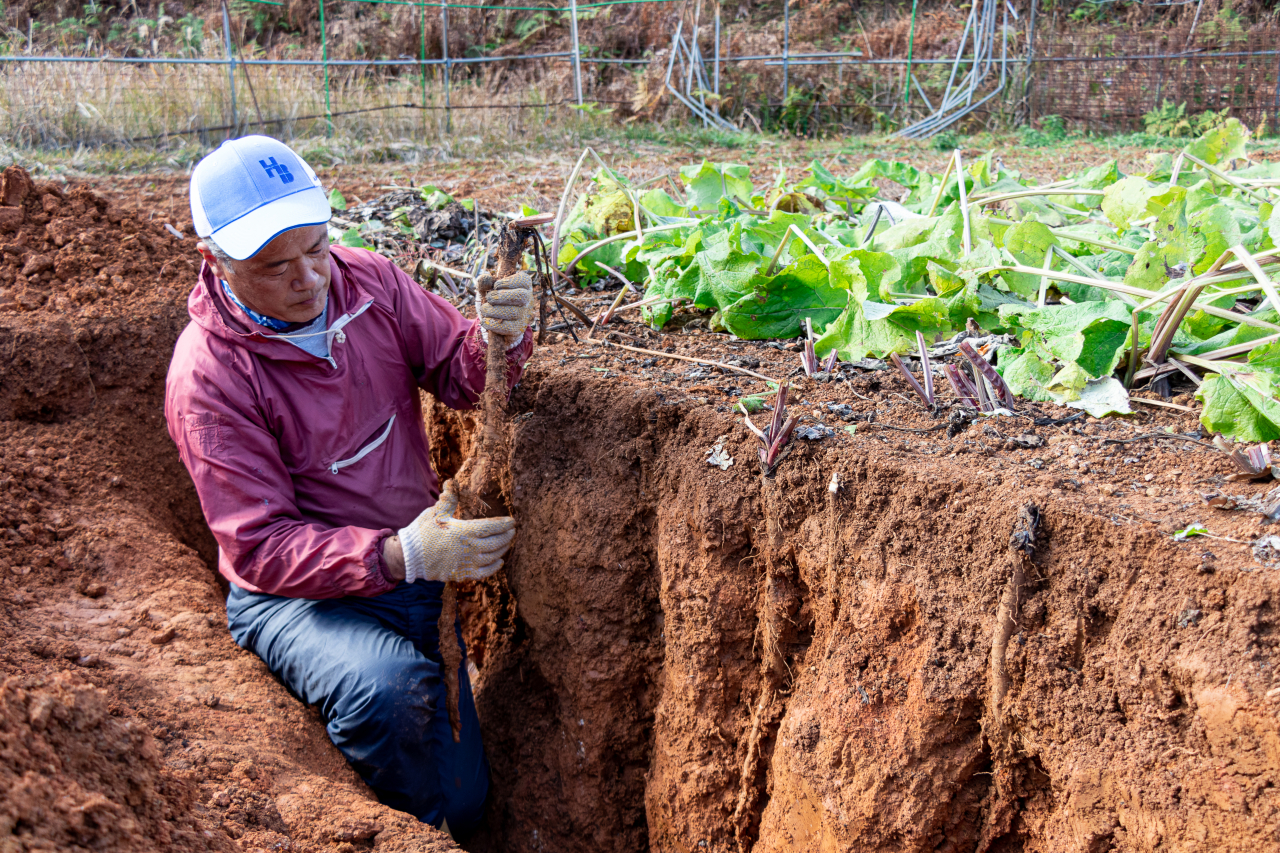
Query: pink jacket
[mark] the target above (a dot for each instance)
(304, 465)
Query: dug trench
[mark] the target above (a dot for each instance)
(954, 649)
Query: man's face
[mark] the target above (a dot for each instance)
(289, 277)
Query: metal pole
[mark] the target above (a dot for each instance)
(786, 46)
(577, 53)
(422, 55)
(1275, 104)
(444, 47)
(324, 61)
(1031, 54)
(231, 67)
(911, 44)
(716, 88)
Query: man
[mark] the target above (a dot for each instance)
(293, 399)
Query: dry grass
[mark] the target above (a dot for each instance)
(70, 104)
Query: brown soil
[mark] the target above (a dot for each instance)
(130, 720)
(677, 657)
(632, 624)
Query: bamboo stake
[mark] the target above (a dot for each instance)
(964, 204)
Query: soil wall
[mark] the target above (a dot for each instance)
(629, 703)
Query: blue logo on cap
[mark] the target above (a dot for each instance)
(276, 170)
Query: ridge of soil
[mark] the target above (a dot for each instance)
(677, 657)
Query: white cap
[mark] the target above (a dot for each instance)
(250, 190)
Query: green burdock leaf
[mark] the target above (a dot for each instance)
(728, 271)
(1266, 357)
(862, 272)
(1099, 177)
(1230, 336)
(1028, 241)
(837, 189)
(1201, 325)
(663, 206)
(1126, 200)
(981, 302)
(705, 186)
(434, 197)
(337, 200)
(1068, 382)
(1273, 226)
(907, 233)
(1026, 373)
(776, 307)
(1151, 266)
(1090, 334)
(680, 244)
(351, 237)
(937, 239)
(1225, 142)
(1242, 406)
(1214, 230)
(877, 328)
(944, 281)
(900, 173)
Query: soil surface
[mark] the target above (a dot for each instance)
(984, 638)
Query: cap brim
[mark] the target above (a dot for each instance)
(246, 236)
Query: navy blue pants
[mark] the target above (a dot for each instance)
(372, 666)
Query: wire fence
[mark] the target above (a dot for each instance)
(1112, 82)
(1104, 78)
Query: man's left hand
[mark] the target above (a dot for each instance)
(508, 309)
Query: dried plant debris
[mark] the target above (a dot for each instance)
(1253, 462)
(1025, 530)
(417, 223)
(1266, 550)
(1268, 504)
(718, 456)
(816, 432)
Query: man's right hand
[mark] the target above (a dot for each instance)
(439, 547)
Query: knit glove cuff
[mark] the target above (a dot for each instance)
(439, 547)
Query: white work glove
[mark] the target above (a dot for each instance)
(508, 309)
(439, 547)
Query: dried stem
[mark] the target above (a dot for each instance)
(1004, 396)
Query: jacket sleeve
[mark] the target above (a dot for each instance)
(248, 500)
(445, 349)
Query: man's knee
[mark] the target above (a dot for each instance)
(392, 694)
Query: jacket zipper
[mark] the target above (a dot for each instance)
(365, 451)
(333, 333)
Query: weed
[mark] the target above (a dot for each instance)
(1052, 130)
(946, 141)
(1170, 120)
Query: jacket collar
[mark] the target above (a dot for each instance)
(211, 310)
